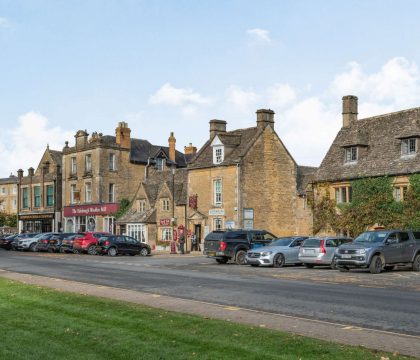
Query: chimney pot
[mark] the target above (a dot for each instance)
(171, 143)
(350, 110)
(217, 127)
(122, 135)
(265, 117)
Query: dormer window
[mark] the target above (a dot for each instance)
(160, 163)
(351, 155)
(218, 154)
(408, 146)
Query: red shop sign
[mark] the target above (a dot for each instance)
(86, 210)
(165, 222)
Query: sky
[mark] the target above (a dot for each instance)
(165, 66)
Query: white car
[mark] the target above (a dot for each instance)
(28, 243)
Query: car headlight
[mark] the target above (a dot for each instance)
(266, 253)
(361, 251)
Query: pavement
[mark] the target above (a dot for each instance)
(376, 311)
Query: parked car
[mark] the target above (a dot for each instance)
(380, 250)
(87, 242)
(321, 251)
(279, 252)
(6, 242)
(224, 245)
(55, 241)
(21, 237)
(67, 243)
(121, 244)
(43, 241)
(29, 243)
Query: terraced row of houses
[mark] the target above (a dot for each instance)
(241, 178)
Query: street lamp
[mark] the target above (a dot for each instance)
(173, 247)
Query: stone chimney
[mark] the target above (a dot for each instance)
(20, 173)
(81, 138)
(190, 149)
(349, 110)
(172, 152)
(265, 117)
(217, 127)
(122, 135)
(31, 171)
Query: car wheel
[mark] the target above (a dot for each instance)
(112, 251)
(240, 257)
(309, 266)
(222, 261)
(334, 264)
(343, 268)
(278, 261)
(32, 247)
(76, 251)
(92, 250)
(416, 263)
(62, 251)
(375, 266)
(389, 268)
(144, 252)
(50, 250)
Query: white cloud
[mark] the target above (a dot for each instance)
(4, 23)
(395, 86)
(23, 146)
(280, 95)
(259, 36)
(186, 99)
(242, 100)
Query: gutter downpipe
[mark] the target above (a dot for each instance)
(146, 168)
(238, 195)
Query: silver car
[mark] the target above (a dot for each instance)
(321, 250)
(279, 252)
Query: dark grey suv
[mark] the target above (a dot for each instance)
(225, 245)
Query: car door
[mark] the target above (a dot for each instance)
(122, 245)
(392, 248)
(294, 251)
(133, 246)
(330, 246)
(406, 246)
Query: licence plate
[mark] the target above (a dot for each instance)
(211, 254)
(308, 251)
(346, 256)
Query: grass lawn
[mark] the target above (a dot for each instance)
(38, 323)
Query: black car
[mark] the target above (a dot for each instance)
(121, 244)
(56, 240)
(225, 245)
(67, 243)
(6, 242)
(44, 242)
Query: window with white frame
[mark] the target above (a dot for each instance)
(74, 194)
(111, 162)
(166, 234)
(137, 231)
(88, 163)
(408, 146)
(400, 193)
(351, 154)
(14, 190)
(3, 191)
(73, 169)
(165, 204)
(160, 163)
(142, 205)
(218, 224)
(343, 195)
(88, 192)
(14, 204)
(218, 154)
(111, 193)
(217, 192)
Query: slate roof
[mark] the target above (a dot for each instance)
(305, 175)
(240, 140)
(57, 156)
(379, 141)
(9, 180)
(133, 216)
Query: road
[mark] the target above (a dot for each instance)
(389, 301)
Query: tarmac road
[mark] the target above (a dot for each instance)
(389, 301)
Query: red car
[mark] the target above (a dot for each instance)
(87, 242)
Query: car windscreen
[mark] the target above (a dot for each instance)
(281, 242)
(371, 237)
(312, 243)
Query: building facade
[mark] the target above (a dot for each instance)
(246, 178)
(379, 146)
(39, 195)
(101, 170)
(8, 195)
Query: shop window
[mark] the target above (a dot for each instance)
(166, 234)
(109, 224)
(91, 224)
(50, 195)
(37, 196)
(137, 231)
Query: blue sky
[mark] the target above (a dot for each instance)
(173, 65)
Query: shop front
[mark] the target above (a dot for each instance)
(96, 217)
(36, 222)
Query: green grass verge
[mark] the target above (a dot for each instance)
(39, 323)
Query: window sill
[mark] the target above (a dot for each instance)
(350, 163)
(408, 156)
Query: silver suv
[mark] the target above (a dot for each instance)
(321, 250)
(279, 252)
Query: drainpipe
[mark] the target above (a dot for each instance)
(146, 168)
(238, 194)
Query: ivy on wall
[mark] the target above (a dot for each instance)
(124, 206)
(372, 203)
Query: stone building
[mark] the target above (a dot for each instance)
(378, 146)
(246, 178)
(8, 195)
(39, 194)
(159, 208)
(99, 171)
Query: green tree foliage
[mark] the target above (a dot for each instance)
(124, 206)
(8, 220)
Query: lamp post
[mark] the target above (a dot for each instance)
(173, 245)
